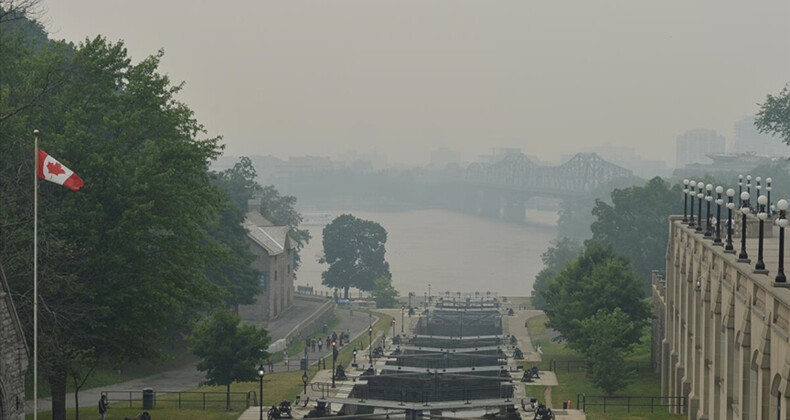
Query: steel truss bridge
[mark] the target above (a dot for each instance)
(579, 176)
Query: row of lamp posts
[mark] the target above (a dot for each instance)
(699, 190)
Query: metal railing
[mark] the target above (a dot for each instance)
(405, 395)
(185, 399)
(630, 402)
(578, 365)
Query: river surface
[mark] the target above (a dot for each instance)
(450, 252)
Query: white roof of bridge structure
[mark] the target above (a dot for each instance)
(274, 239)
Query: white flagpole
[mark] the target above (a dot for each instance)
(35, 276)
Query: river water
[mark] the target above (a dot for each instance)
(450, 252)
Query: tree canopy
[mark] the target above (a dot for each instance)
(281, 210)
(774, 115)
(606, 341)
(139, 251)
(384, 293)
(560, 253)
(354, 249)
(228, 352)
(636, 223)
(597, 280)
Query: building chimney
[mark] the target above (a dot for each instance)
(254, 205)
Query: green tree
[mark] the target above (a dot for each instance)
(560, 253)
(281, 210)
(228, 352)
(607, 338)
(235, 271)
(128, 260)
(239, 182)
(384, 293)
(635, 224)
(774, 115)
(597, 280)
(354, 249)
(575, 217)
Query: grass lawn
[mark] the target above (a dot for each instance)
(573, 382)
(277, 387)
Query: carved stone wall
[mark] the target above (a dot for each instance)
(727, 328)
(13, 357)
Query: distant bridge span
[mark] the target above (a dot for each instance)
(516, 172)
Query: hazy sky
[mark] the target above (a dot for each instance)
(404, 77)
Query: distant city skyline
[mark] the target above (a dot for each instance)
(401, 78)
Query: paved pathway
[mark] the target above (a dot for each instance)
(516, 325)
(189, 377)
(325, 375)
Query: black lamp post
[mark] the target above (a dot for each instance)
(685, 200)
(692, 194)
(700, 196)
(402, 308)
(708, 199)
(719, 202)
(304, 381)
(370, 347)
(743, 256)
(782, 222)
(728, 248)
(334, 359)
(770, 206)
(749, 189)
(759, 191)
(261, 372)
(740, 190)
(762, 215)
(393, 327)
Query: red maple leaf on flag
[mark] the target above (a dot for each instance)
(55, 168)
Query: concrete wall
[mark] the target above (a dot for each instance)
(727, 329)
(13, 362)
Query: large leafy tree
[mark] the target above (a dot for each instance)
(130, 258)
(227, 350)
(239, 182)
(235, 270)
(635, 224)
(774, 115)
(560, 253)
(606, 341)
(354, 249)
(384, 293)
(281, 210)
(597, 280)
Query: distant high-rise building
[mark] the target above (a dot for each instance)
(748, 139)
(443, 156)
(693, 146)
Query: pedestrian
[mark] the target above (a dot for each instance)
(320, 344)
(103, 406)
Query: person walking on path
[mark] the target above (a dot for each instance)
(103, 407)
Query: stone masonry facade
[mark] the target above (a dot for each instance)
(726, 327)
(13, 357)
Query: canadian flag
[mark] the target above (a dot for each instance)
(53, 171)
